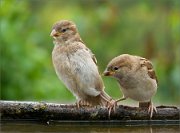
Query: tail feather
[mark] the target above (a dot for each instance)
(103, 99)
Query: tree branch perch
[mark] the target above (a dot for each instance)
(41, 111)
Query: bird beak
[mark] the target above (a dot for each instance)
(54, 33)
(108, 73)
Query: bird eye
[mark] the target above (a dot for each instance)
(115, 68)
(63, 30)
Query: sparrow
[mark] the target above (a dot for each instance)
(136, 78)
(76, 67)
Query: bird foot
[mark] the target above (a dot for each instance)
(81, 103)
(151, 109)
(111, 106)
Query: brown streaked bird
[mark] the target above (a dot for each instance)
(136, 77)
(76, 67)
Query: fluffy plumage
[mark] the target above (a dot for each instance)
(136, 77)
(76, 67)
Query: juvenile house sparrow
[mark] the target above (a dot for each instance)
(75, 66)
(136, 77)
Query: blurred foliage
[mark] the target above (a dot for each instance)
(149, 28)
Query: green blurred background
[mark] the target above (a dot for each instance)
(149, 28)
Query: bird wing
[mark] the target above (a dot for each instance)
(146, 63)
(91, 53)
(85, 70)
(93, 56)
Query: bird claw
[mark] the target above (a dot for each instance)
(81, 103)
(78, 104)
(151, 109)
(111, 106)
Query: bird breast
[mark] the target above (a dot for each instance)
(77, 70)
(139, 86)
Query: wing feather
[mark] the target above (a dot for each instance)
(149, 66)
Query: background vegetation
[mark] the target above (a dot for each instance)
(149, 28)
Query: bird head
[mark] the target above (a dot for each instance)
(118, 67)
(63, 30)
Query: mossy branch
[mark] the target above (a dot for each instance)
(41, 111)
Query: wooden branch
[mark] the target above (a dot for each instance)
(41, 111)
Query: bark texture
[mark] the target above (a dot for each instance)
(41, 111)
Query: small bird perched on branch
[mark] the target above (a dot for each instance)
(136, 77)
(76, 67)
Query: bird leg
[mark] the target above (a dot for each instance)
(121, 99)
(78, 103)
(104, 98)
(115, 103)
(110, 103)
(151, 109)
(150, 106)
